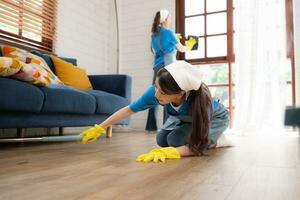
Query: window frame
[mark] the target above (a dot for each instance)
(290, 45)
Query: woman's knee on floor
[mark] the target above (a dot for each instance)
(179, 136)
(161, 138)
(176, 140)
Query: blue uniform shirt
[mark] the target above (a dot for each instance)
(148, 100)
(163, 42)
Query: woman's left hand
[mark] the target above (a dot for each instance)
(159, 155)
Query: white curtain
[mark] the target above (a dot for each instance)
(260, 65)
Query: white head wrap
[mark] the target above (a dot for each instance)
(163, 15)
(187, 76)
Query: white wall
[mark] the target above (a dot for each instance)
(86, 31)
(136, 57)
(297, 47)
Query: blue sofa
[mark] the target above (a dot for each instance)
(23, 105)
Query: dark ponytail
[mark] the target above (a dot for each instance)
(201, 110)
(155, 23)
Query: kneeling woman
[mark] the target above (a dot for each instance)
(196, 120)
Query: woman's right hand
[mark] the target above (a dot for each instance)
(92, 134)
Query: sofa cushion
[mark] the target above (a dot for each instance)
(108, 103)
(20, 96)
(46, 58)
(9, 66)
(71, 75)
(36, 75)
(35, 69)
(22, 55)
(64, 99)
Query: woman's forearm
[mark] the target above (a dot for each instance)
(117, 116)
(180, 47)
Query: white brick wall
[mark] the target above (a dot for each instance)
(297, 47)
(136, 57)
(86, 31)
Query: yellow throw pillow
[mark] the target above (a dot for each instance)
(71, 75)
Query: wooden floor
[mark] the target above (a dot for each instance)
(256, 168)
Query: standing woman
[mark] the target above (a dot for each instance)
(164, 45)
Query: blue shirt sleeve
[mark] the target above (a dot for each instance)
(147, 100)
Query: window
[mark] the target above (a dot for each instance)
(212, 22)
(28, 23)
(216, 77)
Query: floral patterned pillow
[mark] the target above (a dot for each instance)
(35, 69)
(34, 74)
(9, 66)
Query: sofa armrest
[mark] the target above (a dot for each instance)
(115, 84)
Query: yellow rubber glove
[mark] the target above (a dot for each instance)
(92, 134)
(160, 154)
(190, 43)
